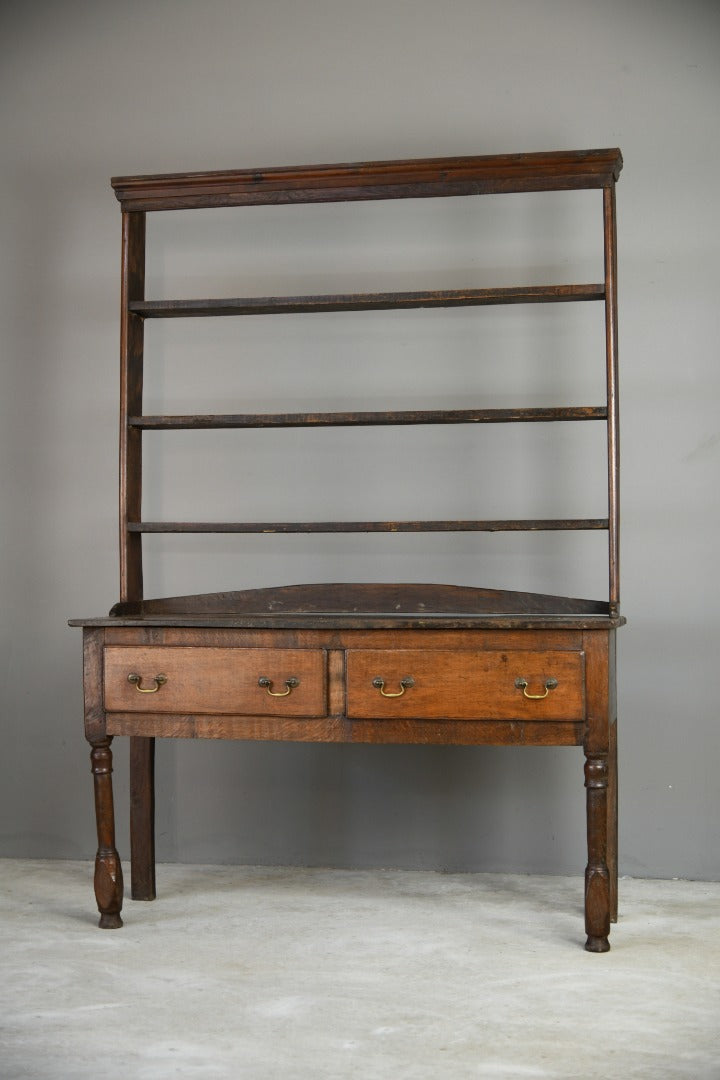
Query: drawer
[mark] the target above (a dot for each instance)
(465, 685)
(213, 680)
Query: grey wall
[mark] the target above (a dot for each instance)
(90, 90)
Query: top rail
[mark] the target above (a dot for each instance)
(422, 178)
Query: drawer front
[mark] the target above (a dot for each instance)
(215, 681)
(457, 685)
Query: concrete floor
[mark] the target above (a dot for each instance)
(242, 972)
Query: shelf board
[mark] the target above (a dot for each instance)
(367, 419)
(289, 305)
(513, 525)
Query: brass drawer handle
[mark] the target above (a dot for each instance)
(267, 685)
(159, 681)
(522, 684)
(405, 684)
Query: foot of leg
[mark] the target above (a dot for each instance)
(108, 889)
(597, 903)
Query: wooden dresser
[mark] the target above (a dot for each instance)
(384, 663)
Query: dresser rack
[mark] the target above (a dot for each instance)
(412, 664)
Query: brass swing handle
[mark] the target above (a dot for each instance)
(405, 684)
(522, 684)
(159, 681)
(266, 684)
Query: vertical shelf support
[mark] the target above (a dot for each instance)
(611, 354)
(142, 750)
(131, 390)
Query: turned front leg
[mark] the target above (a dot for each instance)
(597, 877)
(108, 871)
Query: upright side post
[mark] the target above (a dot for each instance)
(142, 750)
(611, 353)
(131, 389)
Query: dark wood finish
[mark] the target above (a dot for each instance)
(94, 711)
(369, 419)
(613, 420)
(293, 305)
(132, 340)
(612, 794)
(362, 601)
(547, 636)
(479, 175)
(397, 622)
(108, 870)
(467, 732)
(457, 665)
(598, 657)
(334, 729)
(142, 816)
(612, 819)
(131, 394)
(519, 525)
(597, 875)
(490, 651)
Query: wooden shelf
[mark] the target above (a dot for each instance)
(368, 419)
(366, 606)
(388, 301)
(512, 525)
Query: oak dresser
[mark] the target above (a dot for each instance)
(343, 662)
